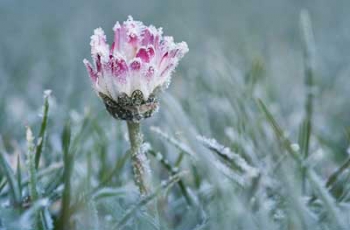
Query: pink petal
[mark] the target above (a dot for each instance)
(165, 56)
(150, 51)
(98, 63)
(148, 37)
(99, 45)
(173, 53)
(157, 41)
(143, 54)
(167, 69)
(112, 48)
(146, 54)
(133, 39)
(135, 65)
(182, 49)
(109, 66)
(90, 70)
(136, 47)
(150, 73)
(133, 31)
(120, 69)
(117, 34)
(121, 66)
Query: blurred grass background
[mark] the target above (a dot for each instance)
(239, 51)
(43, 43)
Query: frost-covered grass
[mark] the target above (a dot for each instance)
(253, 132)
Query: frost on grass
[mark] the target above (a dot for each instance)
(231, 174)
(47, 93)
(211, 98)
(181, 146)
(28, 215)
(295, 147)
(227, 154)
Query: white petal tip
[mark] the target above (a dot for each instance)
(99, 31)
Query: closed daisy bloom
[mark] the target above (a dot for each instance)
(129, 74)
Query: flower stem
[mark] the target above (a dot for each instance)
(138, 158)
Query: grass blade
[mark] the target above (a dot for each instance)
(163, 187)
(2, 184)
(334, 176)
(179, 160)
(172, 170)
(34, 195)
(31, 165)
(28, 215)
(313, 178)
(19, 175)
(279, 132)
(66, 138)
(309, 53)
(182, 147)
(46, 219)
(68, 159)
(41, 137)
(229, 156)
(11, 179)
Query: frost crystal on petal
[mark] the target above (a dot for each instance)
(140, 60)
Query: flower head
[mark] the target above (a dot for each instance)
(129, 74)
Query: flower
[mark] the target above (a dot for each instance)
(129, 75)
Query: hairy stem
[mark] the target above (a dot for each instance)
(138, 158)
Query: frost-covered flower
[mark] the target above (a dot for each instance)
(129, 74)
